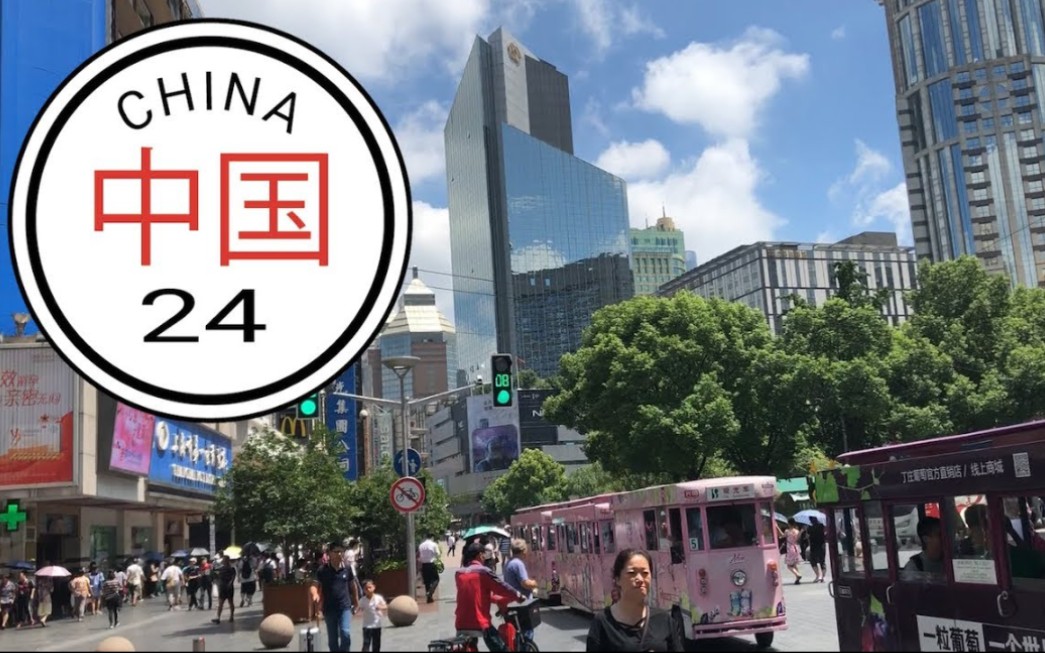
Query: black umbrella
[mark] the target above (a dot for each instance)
(153, 556)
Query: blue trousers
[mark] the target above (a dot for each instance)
(338, 623)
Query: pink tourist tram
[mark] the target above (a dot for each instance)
(713, 544)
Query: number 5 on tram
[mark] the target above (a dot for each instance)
(939, 545)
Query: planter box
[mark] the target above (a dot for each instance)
(391, 584)
(291, 600)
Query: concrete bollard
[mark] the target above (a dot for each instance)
(199, 645)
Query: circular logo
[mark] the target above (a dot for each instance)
(514, 53)
(210, 220)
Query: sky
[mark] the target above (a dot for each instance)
(744, 121)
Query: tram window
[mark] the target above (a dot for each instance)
(678, 552)
(695, 528)
(919, 543)
(597, 547)
(1025, 535)
(850, 543)
(585, 536)
(551, 538)
(732, 526)
(768, 523)
(969, 531)
(608, 545)
(571, 537)
(876, 538)
(649, 524)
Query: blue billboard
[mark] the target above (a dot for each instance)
(41, 43)
(188, 457)
(341, 418)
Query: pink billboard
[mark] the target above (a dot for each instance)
(131, 440)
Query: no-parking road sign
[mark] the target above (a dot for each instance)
(407, 494)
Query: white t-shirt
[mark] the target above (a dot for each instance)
(428, 551)
(172, 573)
(373, 609)
(135, 574)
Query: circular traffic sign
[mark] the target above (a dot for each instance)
(210, 219)
(407, 494)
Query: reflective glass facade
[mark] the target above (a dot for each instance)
(539, 238)
(970, 84)
(568, 242)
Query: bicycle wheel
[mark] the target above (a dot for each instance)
(528, 646)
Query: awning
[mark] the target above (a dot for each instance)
(792, 485)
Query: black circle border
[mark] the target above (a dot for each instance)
(178, 43)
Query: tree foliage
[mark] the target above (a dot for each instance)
(683, 387)
(278, 490)
(535, 478)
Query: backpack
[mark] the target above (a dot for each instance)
(244, 570)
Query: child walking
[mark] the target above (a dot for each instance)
(374, 608)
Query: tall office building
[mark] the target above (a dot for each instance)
(658, 255)
(765, 275)
(970, 96)
(539, 238)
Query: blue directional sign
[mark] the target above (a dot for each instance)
(413, 458)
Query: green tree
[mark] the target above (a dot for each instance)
(853, 288)
(654, 382)
(592, 480)
(528, 379)
(535, 478)
(281, 491)
(382, 528)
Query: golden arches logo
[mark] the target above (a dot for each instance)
(294, 427)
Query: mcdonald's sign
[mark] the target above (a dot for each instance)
(291, 426)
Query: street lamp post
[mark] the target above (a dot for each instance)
(402, 365)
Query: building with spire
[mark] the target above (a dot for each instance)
(658, 255)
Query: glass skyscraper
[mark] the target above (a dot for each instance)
(970, 94)
(538, 237)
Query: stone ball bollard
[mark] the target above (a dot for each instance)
(276, 631)
(115, 644)
(402, 611)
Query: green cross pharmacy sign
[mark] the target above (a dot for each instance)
(12, 516)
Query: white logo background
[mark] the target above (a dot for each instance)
(97, 278)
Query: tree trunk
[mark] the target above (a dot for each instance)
(286, 559)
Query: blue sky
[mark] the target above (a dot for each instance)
(748, 120)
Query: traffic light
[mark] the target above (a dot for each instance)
(308, 408)
(503, 384)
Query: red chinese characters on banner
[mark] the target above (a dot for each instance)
(36, 439)
(288, 219)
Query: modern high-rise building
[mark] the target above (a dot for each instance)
(40, 44)
(765, 275)
(970, 96)
(538, 237)
(691, 259)
(658, 255)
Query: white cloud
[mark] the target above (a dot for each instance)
(593, 116)
(838, 33)
(722, 89)
(713, 200)
(866, 189)
(634, 161)
(890, 206)
(603, 21)
(420, 136)
(535, 257)
(826, 237)
(374, 40)
(430, 251)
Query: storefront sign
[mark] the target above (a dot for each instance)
(341, 418)
(36, 418)
(188, 456)
(731, 492)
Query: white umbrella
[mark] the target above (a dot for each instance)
(53, 571)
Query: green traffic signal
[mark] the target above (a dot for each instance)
(501, 364)
(308, 408)
(504, 398)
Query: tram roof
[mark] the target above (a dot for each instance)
(999, 436)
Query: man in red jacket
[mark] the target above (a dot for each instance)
(477, 589)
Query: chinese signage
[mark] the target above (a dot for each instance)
(341, 418)
(977, 469)
(36, 418)
(731, 492)
(132, 440)
(937, 634)
(188, 456)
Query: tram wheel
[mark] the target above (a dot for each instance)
(764, 640)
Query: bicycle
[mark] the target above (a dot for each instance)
(517, 617)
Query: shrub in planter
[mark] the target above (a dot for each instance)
(290, 597)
